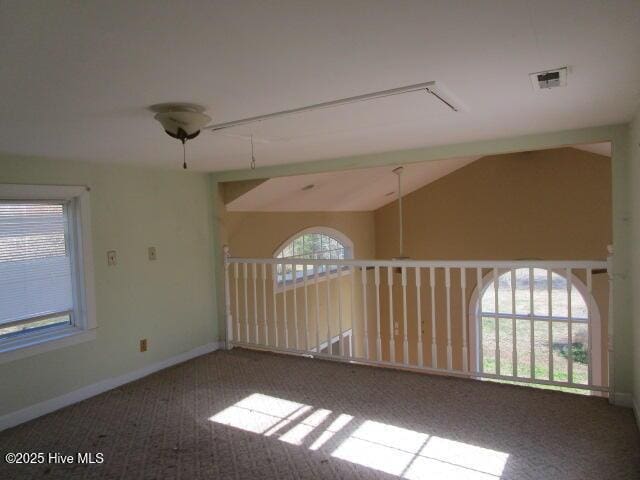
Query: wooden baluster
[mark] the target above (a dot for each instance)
(589, 333)
(531, 310)
(480, 344)
(284, 305)
(514, 353)
(246, 301)
(447, 281)
(294, 286)
(419, 320)
(378, 333)
(306, 309)
(274, 272)
(434, 344)
(315, 282)
(497, 318)
(463, 303)
(365, 318)
(392, 340)
(569, 328)
(405, 341)
(353, 311)
(236, 275)
(329, 348)
(550, 326)
(254, 272)
(339, 276)
(264, 304)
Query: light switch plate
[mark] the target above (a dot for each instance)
(112, 260)
(152, 253)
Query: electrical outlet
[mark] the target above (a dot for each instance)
(112, 260)
(143, 345)
(152, 253)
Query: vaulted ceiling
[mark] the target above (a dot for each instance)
(362, 189)
(351, 190)
(78, 77)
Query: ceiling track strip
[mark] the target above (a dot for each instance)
(429, 87)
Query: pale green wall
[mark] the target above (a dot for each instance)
(634, 146)
(617, 134)
(170, 301)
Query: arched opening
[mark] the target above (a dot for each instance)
(315, 243)
(532, 323)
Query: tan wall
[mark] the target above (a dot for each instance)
(552, 204)
(259, 234)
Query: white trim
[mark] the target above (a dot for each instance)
(16, 191)
(85, 252)
(636, 410)
(41, 341)
(553, 264)
(33, 411)
(596, 324)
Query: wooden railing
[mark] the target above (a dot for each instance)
(540, 322)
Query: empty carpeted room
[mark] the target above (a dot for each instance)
(369, 239)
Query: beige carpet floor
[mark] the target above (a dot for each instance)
(245, 415)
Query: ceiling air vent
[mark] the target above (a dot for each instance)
(549, 79)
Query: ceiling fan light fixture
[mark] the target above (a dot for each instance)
(182, 121)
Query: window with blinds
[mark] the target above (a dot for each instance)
(36, 287)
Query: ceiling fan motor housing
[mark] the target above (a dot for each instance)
(181, 120)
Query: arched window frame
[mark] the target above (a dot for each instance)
(595, 321)
(345, 241)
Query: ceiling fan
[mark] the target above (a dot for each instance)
(184, 121)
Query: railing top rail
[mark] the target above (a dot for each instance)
(546, 264)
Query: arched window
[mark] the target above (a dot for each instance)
(526, 317)
(316, 243)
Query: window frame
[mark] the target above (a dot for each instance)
(83, 322)
(475, 317)
(337, 235)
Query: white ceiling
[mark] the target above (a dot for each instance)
(77, 78)
(350, 191)
(603, 148)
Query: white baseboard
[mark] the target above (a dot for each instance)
(622, 399)
(29, 413)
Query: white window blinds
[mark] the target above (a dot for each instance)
(35, 264)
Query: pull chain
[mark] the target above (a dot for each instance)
(253, 158)
(184, 156)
